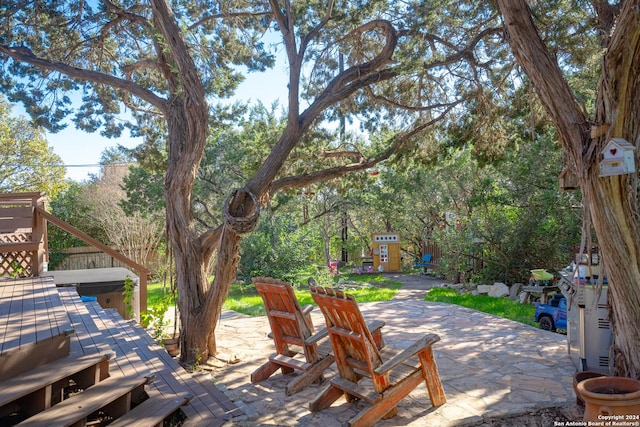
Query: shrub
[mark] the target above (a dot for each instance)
(277, 248)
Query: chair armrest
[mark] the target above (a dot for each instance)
(420, 345)
(320, 334)
(306, 316)
(375, 325)
(306, 310)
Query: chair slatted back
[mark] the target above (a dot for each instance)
(360, 364)
(354, 347)
(288, 324)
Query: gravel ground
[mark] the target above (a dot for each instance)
(540, 418)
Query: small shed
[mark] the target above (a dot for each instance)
(617, 158)
(386, 252)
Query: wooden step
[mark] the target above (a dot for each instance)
(36, 328)
(115, 393)
(151, 412)
(85, 372)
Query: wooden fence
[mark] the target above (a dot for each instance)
(433, 249)
(87, 257)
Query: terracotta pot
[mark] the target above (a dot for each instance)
(580, 376)
(608, 396)
(172, 345)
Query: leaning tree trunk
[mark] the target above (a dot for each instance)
(187, 116)
(613, 200)
(241, 215)
(610, 202)
(187, 137)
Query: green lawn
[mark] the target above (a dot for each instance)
(244, 298)
(155, 293)
(502, 307)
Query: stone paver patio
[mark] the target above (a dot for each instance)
(490, 367)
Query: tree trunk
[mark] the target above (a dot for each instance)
(194, 333)
(610, 202)
(186, 113)
(187, 128)
(187, 116)
(226, 267)
(200, 302)
(613, 200)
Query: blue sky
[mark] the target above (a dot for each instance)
(79, 148)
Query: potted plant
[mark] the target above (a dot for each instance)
(171, 341)
(156, 317)
(155, 320)
(580, 376)
(609, 396)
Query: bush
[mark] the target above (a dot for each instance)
(277, 248)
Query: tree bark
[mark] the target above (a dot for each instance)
(187, 116)
(191, 263)
(610, 202)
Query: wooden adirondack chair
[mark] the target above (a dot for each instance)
(291, 325)
(380, 376)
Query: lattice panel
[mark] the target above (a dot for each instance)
(15, 237)
(16, 263)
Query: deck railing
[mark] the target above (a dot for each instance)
(23, 239)
(23, 235)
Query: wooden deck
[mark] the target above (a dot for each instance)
(30, 312)
(33, 323)
(37, 302)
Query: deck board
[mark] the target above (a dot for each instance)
(88, 338)
(6, 296)
(135, 344)
(127, 360)
(29, 322)
(138, 354)
(34, 310)
(173, 379)
(30, 312)
(11, 323)
(42, 306)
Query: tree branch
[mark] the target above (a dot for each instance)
(397, 142)
(224, 15)
(286, 25)
(316, 30)
(546, 76)
(357, 76)
(189, 79)
(606, 18)
(23, 54)
(209, 241)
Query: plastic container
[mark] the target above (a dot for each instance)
(541, 275)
